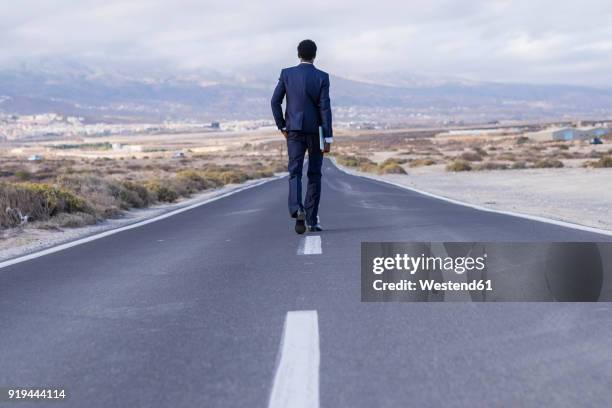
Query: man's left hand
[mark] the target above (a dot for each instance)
(326, 147)
(285, 133)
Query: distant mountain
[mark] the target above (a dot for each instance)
(156, 93)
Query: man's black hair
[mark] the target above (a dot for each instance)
(307, 50)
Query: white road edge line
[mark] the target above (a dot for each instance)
(476, 206)
(310, 245)
(296, 381)
(84, 240)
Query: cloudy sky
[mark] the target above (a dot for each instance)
(538, 41)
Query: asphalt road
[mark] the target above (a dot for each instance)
(189, 311)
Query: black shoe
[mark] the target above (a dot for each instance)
(315, 228)
(300, 224)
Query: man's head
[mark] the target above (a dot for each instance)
(307, 50)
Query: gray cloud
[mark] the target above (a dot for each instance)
(500, 40)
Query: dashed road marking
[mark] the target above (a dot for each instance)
(310, 245)
(296, 381)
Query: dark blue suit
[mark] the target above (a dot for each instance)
(308, 107)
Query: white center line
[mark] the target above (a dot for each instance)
(310, 245)
(296, 382)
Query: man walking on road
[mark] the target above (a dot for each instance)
(308, 108)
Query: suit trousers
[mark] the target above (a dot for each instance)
(297, 145)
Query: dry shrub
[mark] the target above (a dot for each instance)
(37, 202)
(459, 165)
(480, 151)
(562, 146)
(491, 166)
(470, 156)
(277, 167)
(134, 195)
(604, 162)
(565, 155)
(548, 163)
(359, 162)
(162, 190)
(226, 176)
(522, 140)
(23, 175)
(194, 180)
(507, 156)
(391, 168)
(594, 154)
(353, 161)
(421, 162)
(394, 160)
(66, 220)
(101, 194)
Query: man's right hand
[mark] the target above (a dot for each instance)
(285, 133)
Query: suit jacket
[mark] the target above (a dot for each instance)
(308, 104)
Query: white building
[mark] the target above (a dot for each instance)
(567, 134)
(570, 134)
(598, 131)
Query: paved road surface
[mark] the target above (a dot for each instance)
(189, 312)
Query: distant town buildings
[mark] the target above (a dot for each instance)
(364, 125)
(126, 147)
(52, 126)
(241, 125)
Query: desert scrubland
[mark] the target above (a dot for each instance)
(568, 180)
(47, 188)
(60, 184)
